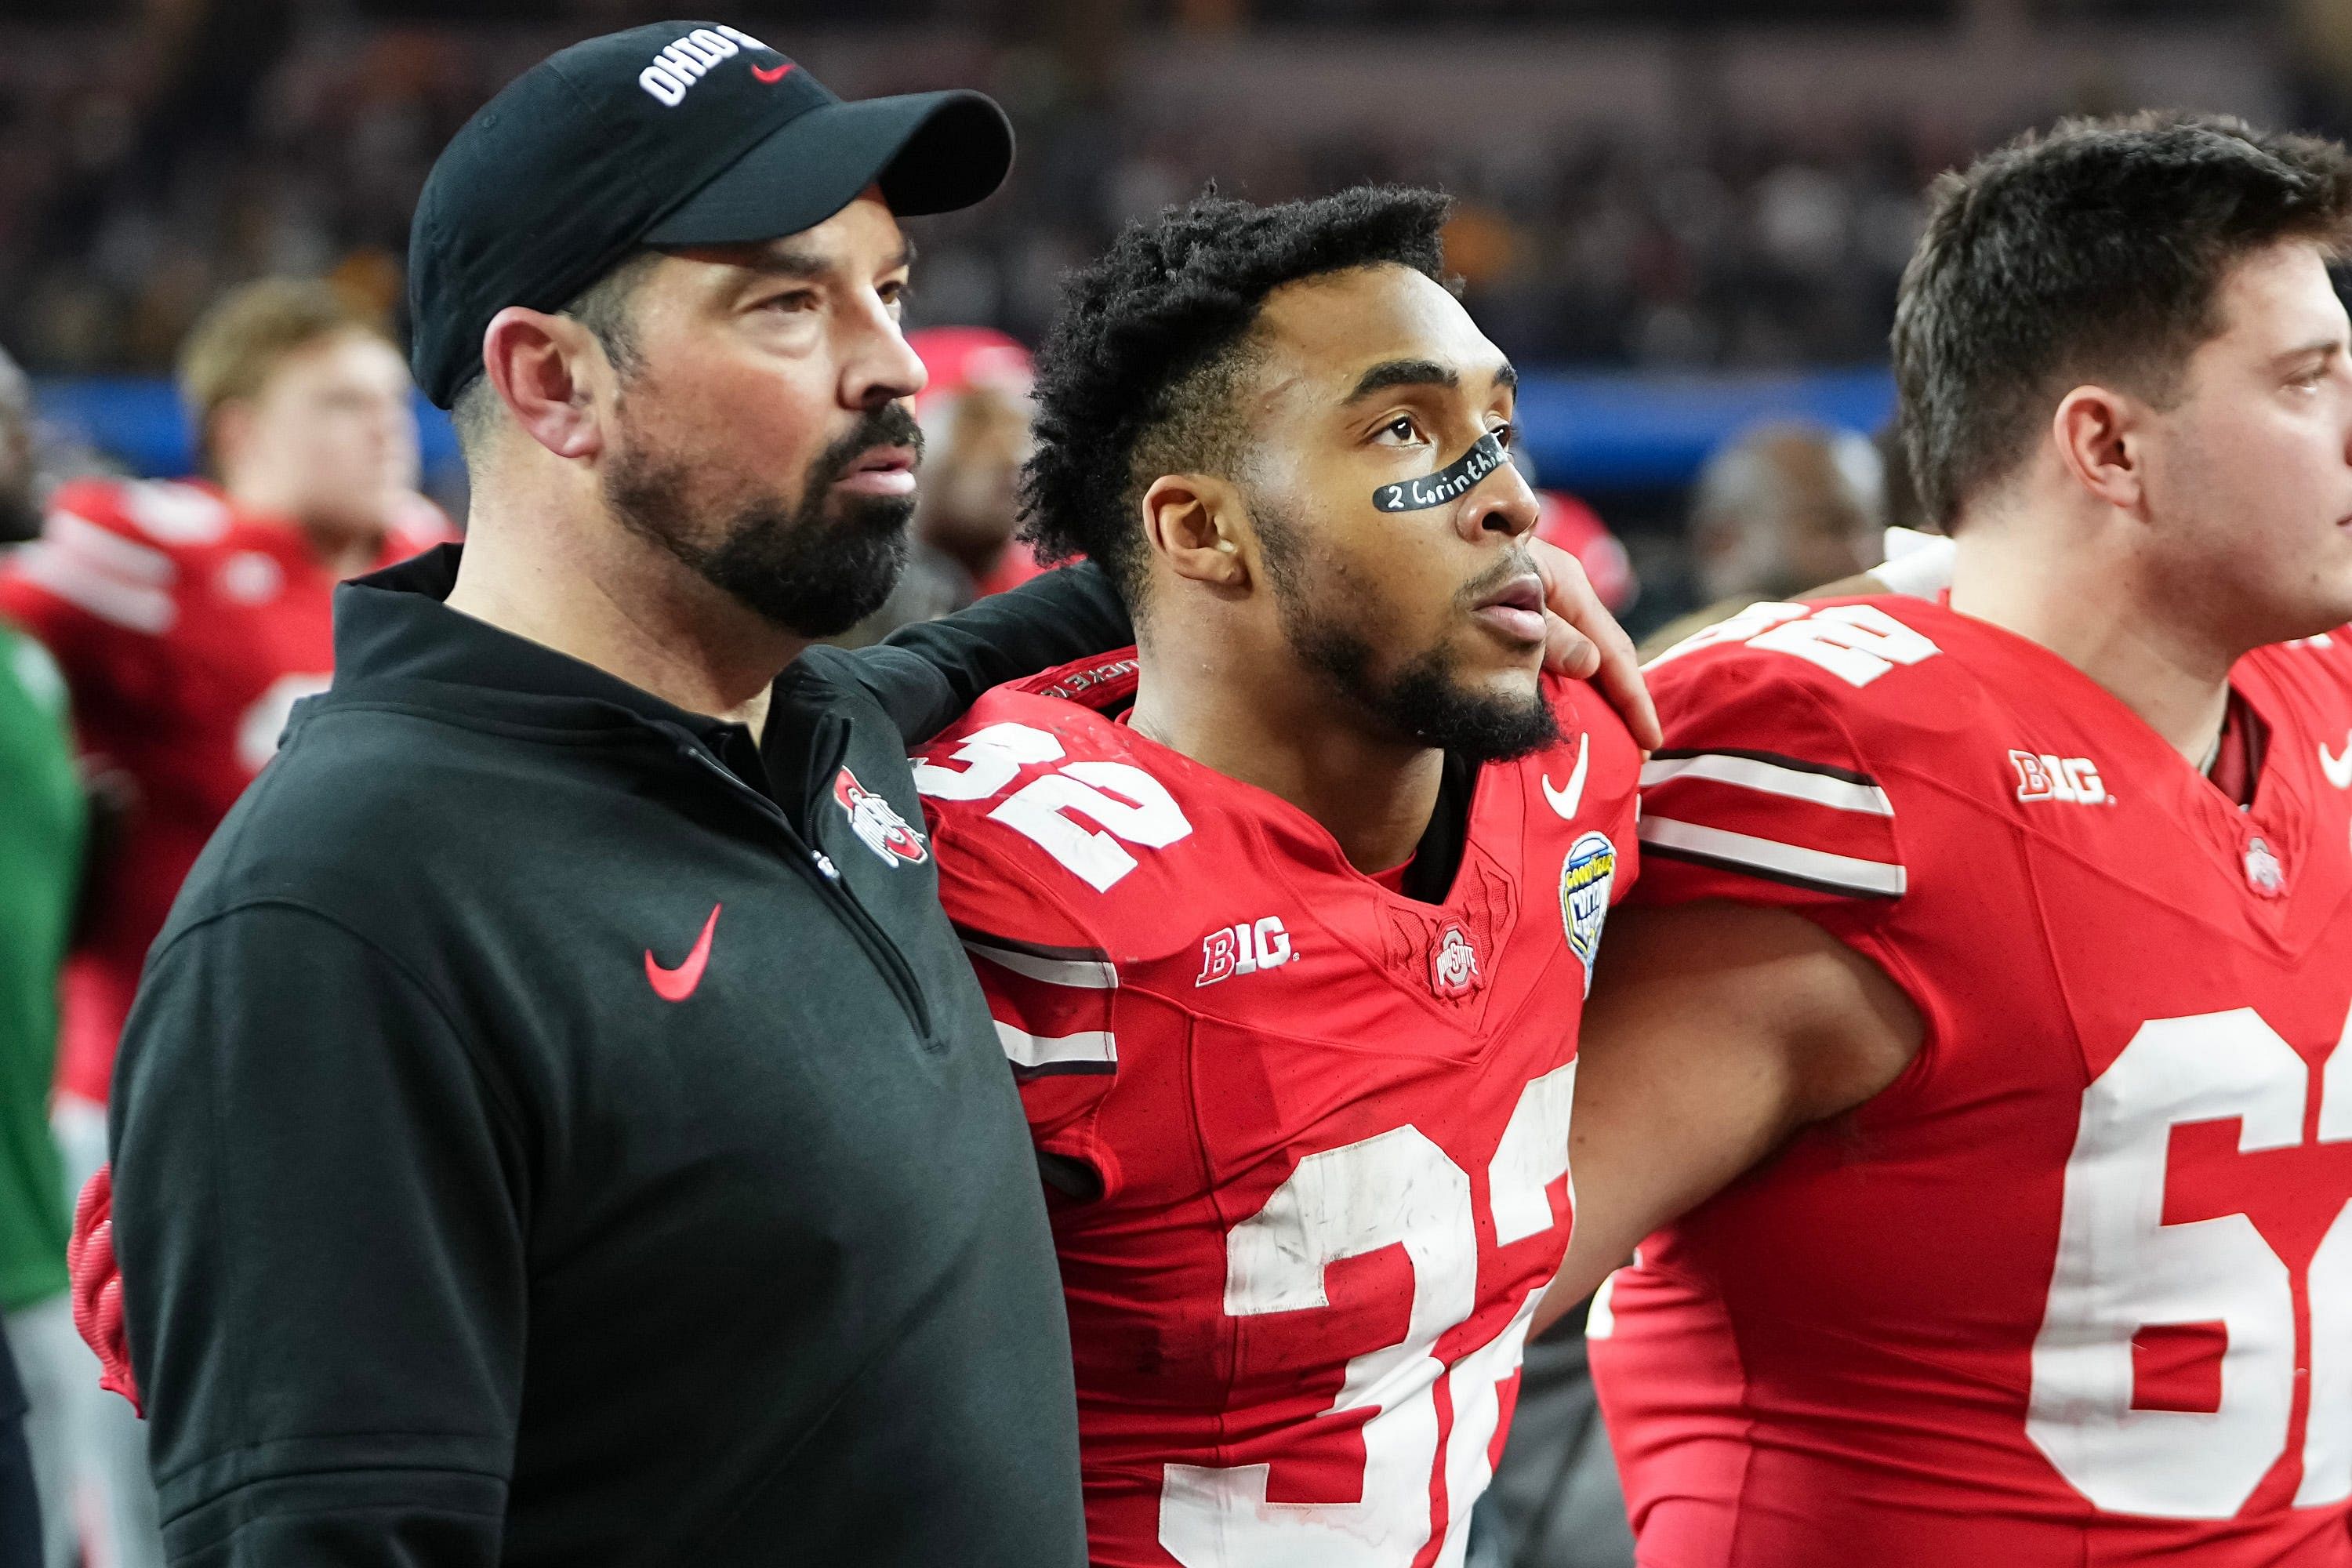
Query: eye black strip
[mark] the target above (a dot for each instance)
(1449, 483)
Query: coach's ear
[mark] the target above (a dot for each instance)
(1193, 521)
(545, 369)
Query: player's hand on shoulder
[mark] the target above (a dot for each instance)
(1584, 642)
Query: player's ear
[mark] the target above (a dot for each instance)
(1192, 521)
(545, 367)
(227, 430)
(2098, 434)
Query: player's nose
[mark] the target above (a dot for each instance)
(1504, 504)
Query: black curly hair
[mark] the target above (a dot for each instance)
(1137, 376)
(2094, 249)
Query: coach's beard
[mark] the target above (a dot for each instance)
(815, 568)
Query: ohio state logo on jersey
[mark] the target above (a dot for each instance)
(877, 823)
(1454, 969)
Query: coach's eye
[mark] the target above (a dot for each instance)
(792, 300)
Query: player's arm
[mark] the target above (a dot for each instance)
(1715, 1032)
(926, 675)
(322, 1240)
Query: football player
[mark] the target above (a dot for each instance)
(187, 619)
(1995, 960)
(1286, 918)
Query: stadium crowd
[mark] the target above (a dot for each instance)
(250, 217)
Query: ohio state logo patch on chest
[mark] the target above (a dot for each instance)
(877, 823)
(1586, 877)
(1454, 969)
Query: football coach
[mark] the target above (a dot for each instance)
(558, 1125)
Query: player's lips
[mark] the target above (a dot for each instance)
(883, 471)
(1514, 609)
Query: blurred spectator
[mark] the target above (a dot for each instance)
(975, 415)
(188, 619)
(40, 861)
(1784, 509)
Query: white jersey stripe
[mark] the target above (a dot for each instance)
(1087, 1048)
(73, 579)
(137, 562)
(1771, 778)
(1843, 873)
(1086, 973)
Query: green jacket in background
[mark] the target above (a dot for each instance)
(40, 865)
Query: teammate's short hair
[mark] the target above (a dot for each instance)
(235, 346)
(1137, 376)
(2090, 252)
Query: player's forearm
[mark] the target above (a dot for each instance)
(1714, 1033)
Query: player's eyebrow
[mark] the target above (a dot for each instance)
(1392, 372)
(2319, 348)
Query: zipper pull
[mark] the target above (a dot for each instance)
(824, 864)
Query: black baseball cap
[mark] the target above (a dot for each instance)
(671, 133)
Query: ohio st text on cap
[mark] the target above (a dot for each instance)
(671, 133)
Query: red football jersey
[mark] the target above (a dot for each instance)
(2077, 1288)
(186, 632)
(1327, 1123)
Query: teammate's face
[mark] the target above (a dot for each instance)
(2249, 475)
(762, 436)
(1430, 621)
(330, 436)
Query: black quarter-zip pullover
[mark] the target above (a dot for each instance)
(556, 1131)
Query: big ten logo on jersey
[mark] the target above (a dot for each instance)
(1243, 949)
(1126, 805)
(1430, 1401)
(2042, 776)
(1856, 643)
(2173, 1260)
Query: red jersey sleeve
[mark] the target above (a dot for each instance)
(98, 588)
(1052, 990)
(1763, 796)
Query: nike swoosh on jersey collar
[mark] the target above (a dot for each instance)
(1565, 801)
(2338, 769)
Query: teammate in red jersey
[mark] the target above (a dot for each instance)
(1285, 921)
(189, 617)
(2008, 939)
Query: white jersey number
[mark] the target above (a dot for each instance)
(1128, 804)
(1398, 1189)
(2120, 1269)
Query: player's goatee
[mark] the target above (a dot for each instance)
(815, 568)
(1424, 699)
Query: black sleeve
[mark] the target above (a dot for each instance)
(316, 1214)
(20, 1504)
(926, 675)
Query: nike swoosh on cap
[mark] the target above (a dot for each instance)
(778, 74)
